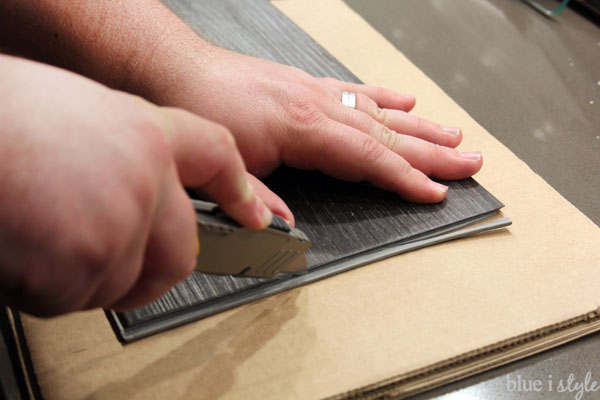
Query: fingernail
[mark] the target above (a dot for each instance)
(451, 130)
(438, 186)
(246, 189)
(472, 155)
(266, 215)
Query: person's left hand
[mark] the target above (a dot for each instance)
(279, 114)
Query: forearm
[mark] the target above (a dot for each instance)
(134, 45)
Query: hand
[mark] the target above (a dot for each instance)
(93, 212)
(271, 200)
(280, 114)
(277, 113)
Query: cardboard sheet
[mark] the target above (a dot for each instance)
(383, 320)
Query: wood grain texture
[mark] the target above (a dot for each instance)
(342, 219)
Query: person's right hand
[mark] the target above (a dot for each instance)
(93, 212)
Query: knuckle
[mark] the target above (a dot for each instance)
(388, 137)
(153, 145)
(224, 136)
(112, 236)
(137, 193)
(372, 150)
(148, 154)
(224, 152)
(403, 171)
(333, 142)
(380, 92)
(420, 124)
(427, 127)
(306, 116)
(223, 140)
(379, 114)
(436, 155)
(432, 128)
(96, 251)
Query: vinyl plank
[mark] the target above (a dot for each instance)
(349, 224)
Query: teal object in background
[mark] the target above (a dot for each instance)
(544, 10)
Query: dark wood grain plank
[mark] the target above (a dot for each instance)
(342, 219)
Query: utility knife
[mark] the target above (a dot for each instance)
(227, 248)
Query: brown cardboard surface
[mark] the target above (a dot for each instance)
(370, 324)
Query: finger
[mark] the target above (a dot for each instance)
(274, 202)
(170, 251)
(399, 121)
(429, 158)
(432, 159)
(384, 98)
(346, 153)
(207, 158)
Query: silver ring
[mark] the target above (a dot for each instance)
(349, 99)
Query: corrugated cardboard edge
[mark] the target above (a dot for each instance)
(477, 361)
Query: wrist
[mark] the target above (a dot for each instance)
(169, 65)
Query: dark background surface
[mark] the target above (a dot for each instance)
(531, 81)
(534, 83)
